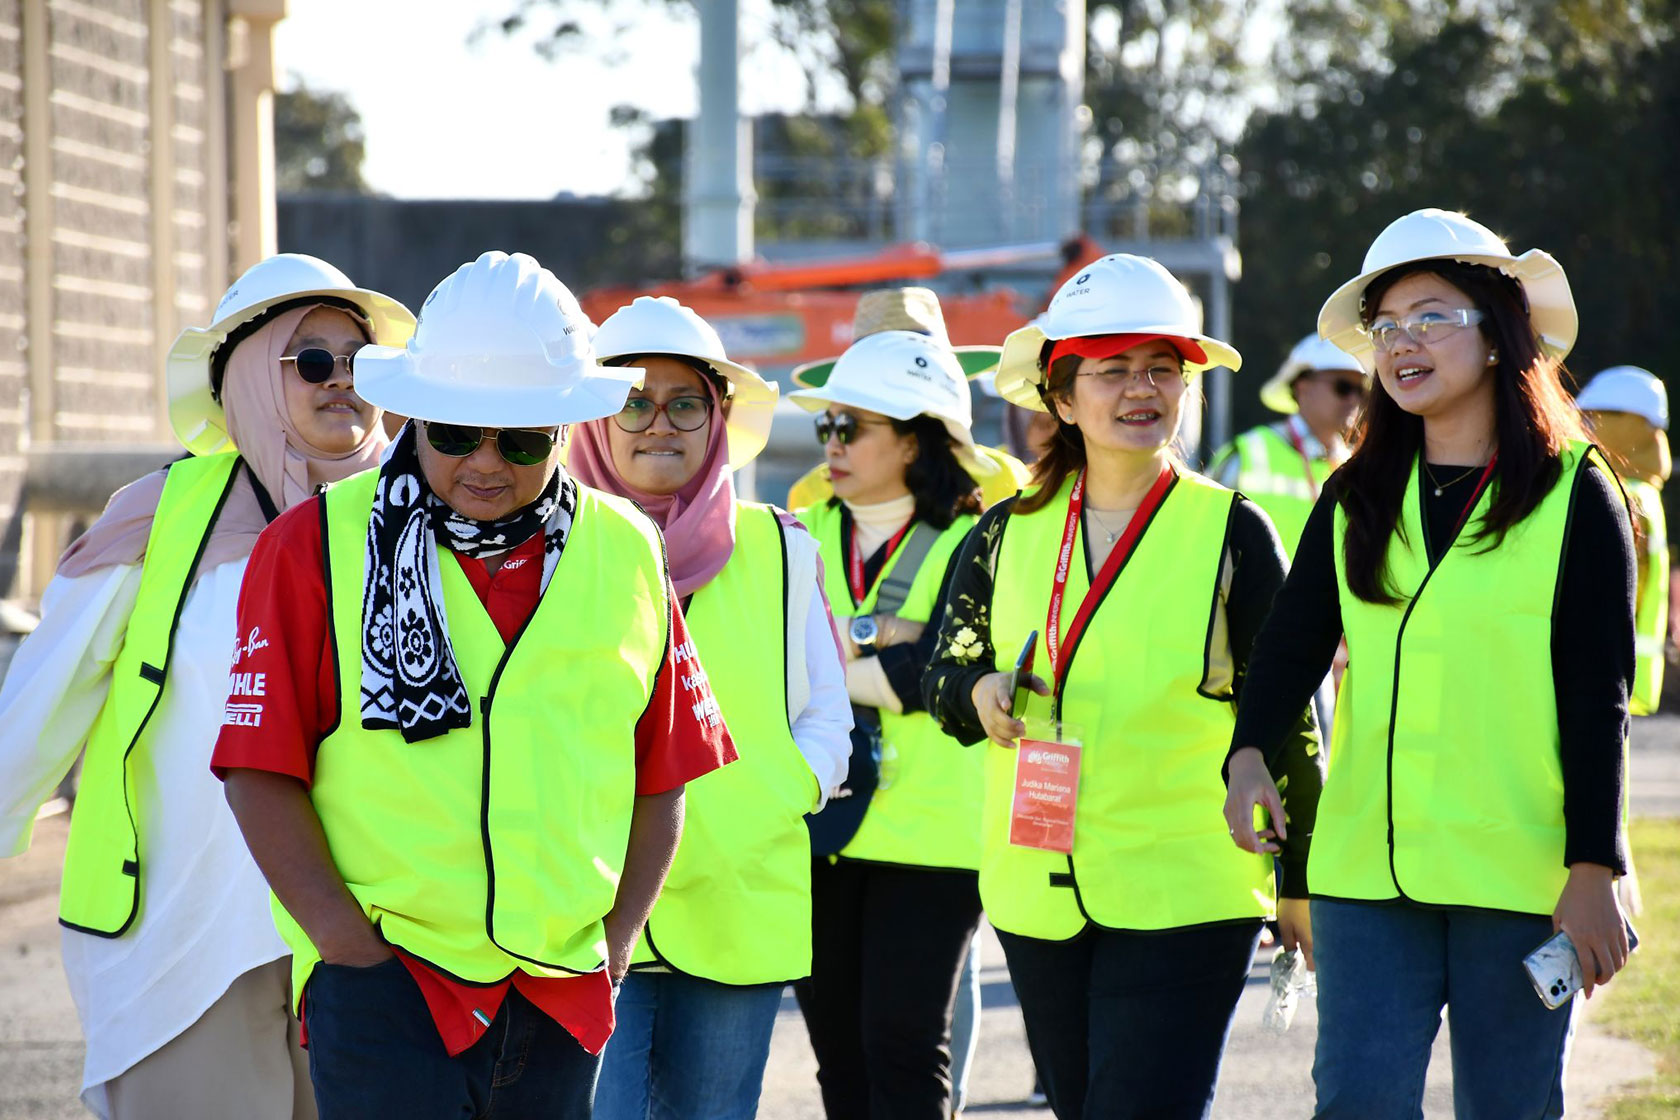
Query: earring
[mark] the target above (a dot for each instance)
(1493, 357)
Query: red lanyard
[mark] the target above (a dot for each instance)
(854, 562)
(1105, 577)
(1306, 462)
(1475, 496)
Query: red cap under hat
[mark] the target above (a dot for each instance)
(1108, 345)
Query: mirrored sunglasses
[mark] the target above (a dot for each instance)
(519, 446)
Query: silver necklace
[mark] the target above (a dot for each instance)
(1112, 534)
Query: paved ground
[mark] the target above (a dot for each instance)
(1264, 1077)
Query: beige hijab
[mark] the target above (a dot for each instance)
(289, 467)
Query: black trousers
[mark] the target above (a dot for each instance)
(1128, 1024)
(887, 950)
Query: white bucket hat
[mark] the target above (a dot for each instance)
(903, 375)
(1627, 389)
(500, 343)
(194, 412)
(1432, 234)
(1119, 294)
(1309, 355)
(651, 326)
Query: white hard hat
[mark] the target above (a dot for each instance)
(1433, 234)
(194, 413)
(903, 375)
(501, 343)
(1627, 389)
(655, 325)
(1119, 294)
(1309, 355)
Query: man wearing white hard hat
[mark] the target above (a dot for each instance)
(733, 923)
(465, 707)
(1134, 587)
(177, 973)
(1282, 466)
(1627, 409)
(1477, 555)
(894, 898)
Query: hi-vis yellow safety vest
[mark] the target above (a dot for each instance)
(1445, 785)
(1272, 474)
(1149, 689)
(1651, 624)
(736, 907)
(498, 846)
(100, 893)
(926, 811)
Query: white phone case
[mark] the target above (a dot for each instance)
(1555, 970)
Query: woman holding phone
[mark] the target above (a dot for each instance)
(1477, 554)
(1128, 920)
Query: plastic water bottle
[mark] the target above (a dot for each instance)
(1290, 980)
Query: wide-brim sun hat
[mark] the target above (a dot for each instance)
(1309, 355)
(195, 414)
(500, 343)
(1627, 389)
(901, 309)
(1431, 234)
(660, 326)
(901, 374)
(1120, 294)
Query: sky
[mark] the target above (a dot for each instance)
(448, 119)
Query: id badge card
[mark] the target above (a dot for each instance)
(1046, 797)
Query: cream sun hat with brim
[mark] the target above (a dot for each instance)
(1432, 234)
(1309, 355)
(1118, 294)
(501, 343)
(195, 413)
(901, 309)
(903, 375)
(656, 326)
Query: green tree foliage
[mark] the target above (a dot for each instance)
(318, 144)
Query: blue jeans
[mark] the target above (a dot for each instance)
(373, 1051)
(1385, 971)
(686, 1049)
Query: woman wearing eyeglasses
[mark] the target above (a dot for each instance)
(171, 955)
(1135, 587)
(1477, 554)
(733, 922)
(894, 898)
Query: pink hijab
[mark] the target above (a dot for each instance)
(698, 520)
(290, 468)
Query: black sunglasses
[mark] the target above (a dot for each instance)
(316, 365)
(519, 446)
(1340, 386)
(843, 427)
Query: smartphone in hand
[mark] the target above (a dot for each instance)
(1554, 968)
(1019, 689)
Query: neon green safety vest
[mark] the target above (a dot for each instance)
(498, 846)
(1148, 691)
(1445, 785)
(926, 810)
(736, 907)
(1651, 625)
(100, 893)
(1271, 474)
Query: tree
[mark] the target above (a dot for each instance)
(318, 142)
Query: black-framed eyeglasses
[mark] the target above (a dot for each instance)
(844, 427)
(686, 413)
(520, 446)
(316, 365)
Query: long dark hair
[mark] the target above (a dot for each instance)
(1534, 420)
(943, 490)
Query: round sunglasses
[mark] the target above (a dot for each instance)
(686, 413)
(844, 427)
(316, 365)
(519, 446)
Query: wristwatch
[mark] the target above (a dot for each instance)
(864, 632)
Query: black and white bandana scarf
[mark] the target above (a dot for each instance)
(410, 681)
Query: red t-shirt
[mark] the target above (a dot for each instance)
(284, 701)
